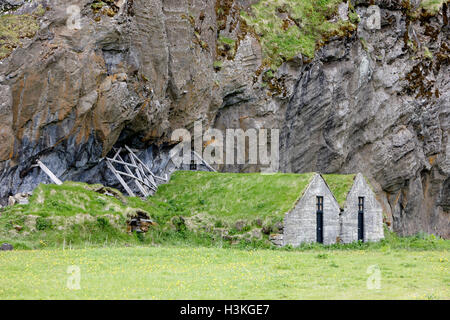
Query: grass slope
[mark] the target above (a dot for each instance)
(76, 214)
(74, 198)
(207, 273)
(72, 214)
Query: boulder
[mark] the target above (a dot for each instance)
(276, 239)
(19, 198)
(6, 247)
(240, 225)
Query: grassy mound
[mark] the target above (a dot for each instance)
(75, 198)
(73, 214)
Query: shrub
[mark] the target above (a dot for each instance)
(102, 222)
(43, 223)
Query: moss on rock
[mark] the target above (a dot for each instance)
(289, 27)
(14, 28)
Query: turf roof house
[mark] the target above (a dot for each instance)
(315, 216)
(361, 216)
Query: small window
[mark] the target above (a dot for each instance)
(193, 165)
(320, 204)
(361, 204)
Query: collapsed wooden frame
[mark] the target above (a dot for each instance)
(138, 171)
(142, 176)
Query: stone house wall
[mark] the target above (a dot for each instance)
(300, 222)
(373, 216)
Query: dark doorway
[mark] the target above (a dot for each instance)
(361, 219)
(193, 165)
(319, 220)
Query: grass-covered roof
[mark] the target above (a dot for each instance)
(233, 196)
(340, 185)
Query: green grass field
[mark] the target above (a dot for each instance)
(214, 273)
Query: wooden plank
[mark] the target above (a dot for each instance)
(139, 160)
(49, 173)
(136, 178)
(117, 153)
(125, 164)
(131, 176)
(149, 179)
(124, 184)
(144, 178)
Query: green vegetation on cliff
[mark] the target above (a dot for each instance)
(432, 6)
(14, 28)
(289, 27)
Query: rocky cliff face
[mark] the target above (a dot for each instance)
(132, 71)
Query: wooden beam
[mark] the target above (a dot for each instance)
(132, 177)
(49, 173)
(148, 178)
(117, 153)
(148, 182)
(143, 177)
